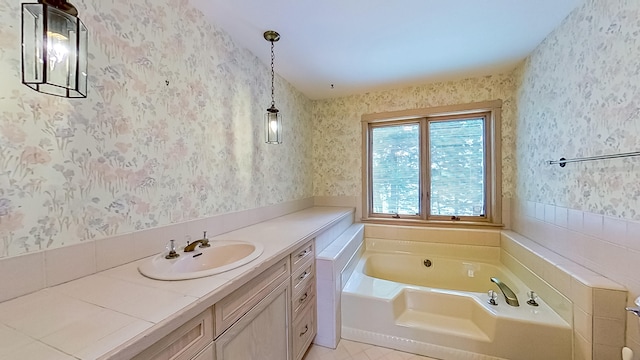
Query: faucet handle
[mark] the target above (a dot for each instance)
(533, 297)
(492, 297)
(171, 246)
(205, 242)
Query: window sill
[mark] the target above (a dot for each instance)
(433, 223)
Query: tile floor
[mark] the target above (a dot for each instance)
(350, 350)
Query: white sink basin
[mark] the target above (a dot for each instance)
(221, 256)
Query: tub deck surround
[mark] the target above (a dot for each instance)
(334, 266)
(594, 303)
(416, 312)
(431, 235)
(116, 313)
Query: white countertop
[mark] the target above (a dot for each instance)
(117, 313)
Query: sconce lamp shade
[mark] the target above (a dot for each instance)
(54, 49)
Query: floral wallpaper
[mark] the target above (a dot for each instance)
(171, 130)
(578, 96)
(337, 130)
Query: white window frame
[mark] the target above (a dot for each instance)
(491, 110)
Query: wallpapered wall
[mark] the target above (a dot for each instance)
(337, 131)
(579, 95)
(138, 153)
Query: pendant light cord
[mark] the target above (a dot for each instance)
(273, 102)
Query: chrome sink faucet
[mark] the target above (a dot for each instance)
(509, 296)
(204, 242)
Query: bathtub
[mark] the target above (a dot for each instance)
(394, 300)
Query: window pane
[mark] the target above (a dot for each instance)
(395, 159)
(457, 167)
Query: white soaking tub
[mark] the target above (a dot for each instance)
(442, 311)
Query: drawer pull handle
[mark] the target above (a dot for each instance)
(303, 253)
(304, 275)
(303, 298)
(306, 328)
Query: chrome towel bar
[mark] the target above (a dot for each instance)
(563, 162)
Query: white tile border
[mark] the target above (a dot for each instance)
(21, 275)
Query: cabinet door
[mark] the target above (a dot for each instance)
(262, 333)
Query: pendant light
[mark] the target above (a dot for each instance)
(54, 49)
(272, 118)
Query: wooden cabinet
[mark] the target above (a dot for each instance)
(271, 317)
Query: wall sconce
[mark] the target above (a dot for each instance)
(273, 118)
(54, 49)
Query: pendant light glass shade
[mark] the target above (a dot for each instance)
(272, 118)
(273, 126)
(54, 49)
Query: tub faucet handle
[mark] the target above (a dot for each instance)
(493, 296)
(533, 297)
(634, 310)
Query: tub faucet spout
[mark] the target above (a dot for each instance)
(509, 296)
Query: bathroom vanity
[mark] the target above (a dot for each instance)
(254, 321)
(263, 310)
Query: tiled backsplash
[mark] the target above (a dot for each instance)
(607, 246)
(24, 274)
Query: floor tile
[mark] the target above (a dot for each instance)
(351, 350)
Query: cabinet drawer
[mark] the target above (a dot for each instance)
(301, 299)
(302, 255)
(304, 329)
(184, 342)
(228, 310)
(302, 276)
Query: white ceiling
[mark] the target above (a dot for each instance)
(365, 45)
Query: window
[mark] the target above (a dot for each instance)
(395, 169)
(433, 164)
